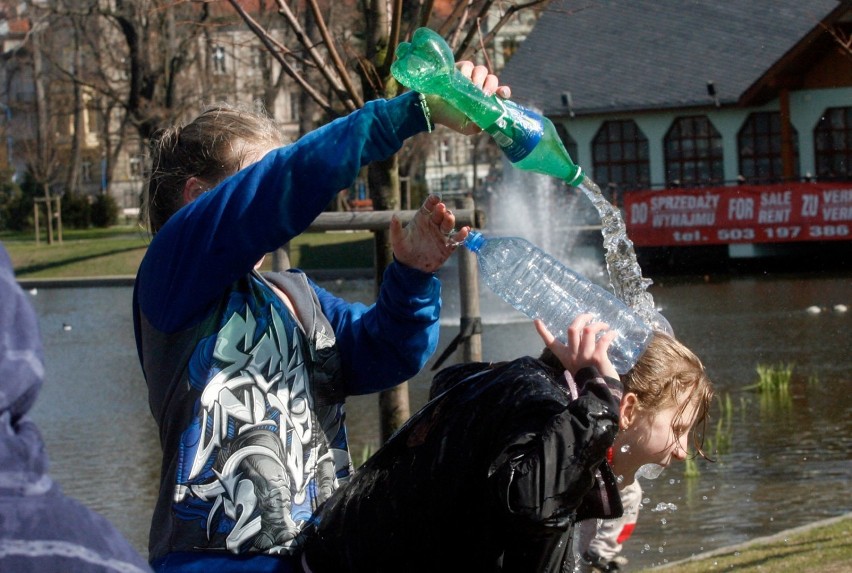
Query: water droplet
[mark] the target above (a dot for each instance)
(646, 500)
(663, 522)
(704, 498)
(663, 506)
(625, 448)
(650, 471)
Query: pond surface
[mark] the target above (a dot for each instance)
(783, 461)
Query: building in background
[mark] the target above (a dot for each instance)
(83, 91)
(461, 165)
(714, 124)
(111, 73)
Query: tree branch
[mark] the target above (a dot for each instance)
(276, 49)
(466, 47)
(342, 72)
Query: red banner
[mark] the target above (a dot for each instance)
(776, 213)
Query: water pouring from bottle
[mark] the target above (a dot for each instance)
(529, 140)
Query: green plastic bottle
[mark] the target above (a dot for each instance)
(528, 139)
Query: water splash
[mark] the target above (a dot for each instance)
(650, 471)
(549, 214)
(625, 274)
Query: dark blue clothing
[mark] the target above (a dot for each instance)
(41, 529)
(249, 397)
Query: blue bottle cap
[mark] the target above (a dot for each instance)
(474, 241)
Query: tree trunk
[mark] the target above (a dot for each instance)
(41, 162)
(72, 179)
(383, 181)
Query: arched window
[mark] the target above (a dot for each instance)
(759, 145)
(833, 144)
(620, 156)
(568, 141)
(693, 153)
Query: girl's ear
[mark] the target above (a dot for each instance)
(192, 189)
(627, 410)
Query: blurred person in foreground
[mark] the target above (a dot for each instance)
(41, 529)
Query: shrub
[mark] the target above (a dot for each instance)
(16, 207)
(104, 211)
(76, 211)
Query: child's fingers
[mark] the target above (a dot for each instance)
(606, 339)
(543, 332)
(466, 68)
(589, 338)
(575, 331)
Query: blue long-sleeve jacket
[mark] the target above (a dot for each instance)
(247, 396)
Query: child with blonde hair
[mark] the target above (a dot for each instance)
(495, 470)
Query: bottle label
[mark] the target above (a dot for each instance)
(517, 131)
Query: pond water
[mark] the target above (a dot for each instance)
(783, 461)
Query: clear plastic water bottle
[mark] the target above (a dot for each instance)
(540, 286)
(528, 139)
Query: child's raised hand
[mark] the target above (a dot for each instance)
(428, 240)
(446, 114)
(583, 347)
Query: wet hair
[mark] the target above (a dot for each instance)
(664, 372)
(211, 147)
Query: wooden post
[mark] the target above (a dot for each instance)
(49, 215)
(470, 318)
(35, 221)
(59, 218)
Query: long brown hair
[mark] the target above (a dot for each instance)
(211, 147)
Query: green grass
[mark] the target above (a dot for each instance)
(117, 251)
(774, 378)
(818, 549)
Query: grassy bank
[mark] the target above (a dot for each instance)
(117, 251)
(821, 548)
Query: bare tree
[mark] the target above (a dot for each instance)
(354, 67)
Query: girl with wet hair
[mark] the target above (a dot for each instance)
(493, 473)
(231, 354)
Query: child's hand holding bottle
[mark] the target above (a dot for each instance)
(586, 345)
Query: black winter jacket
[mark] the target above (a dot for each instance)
(490, 475)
